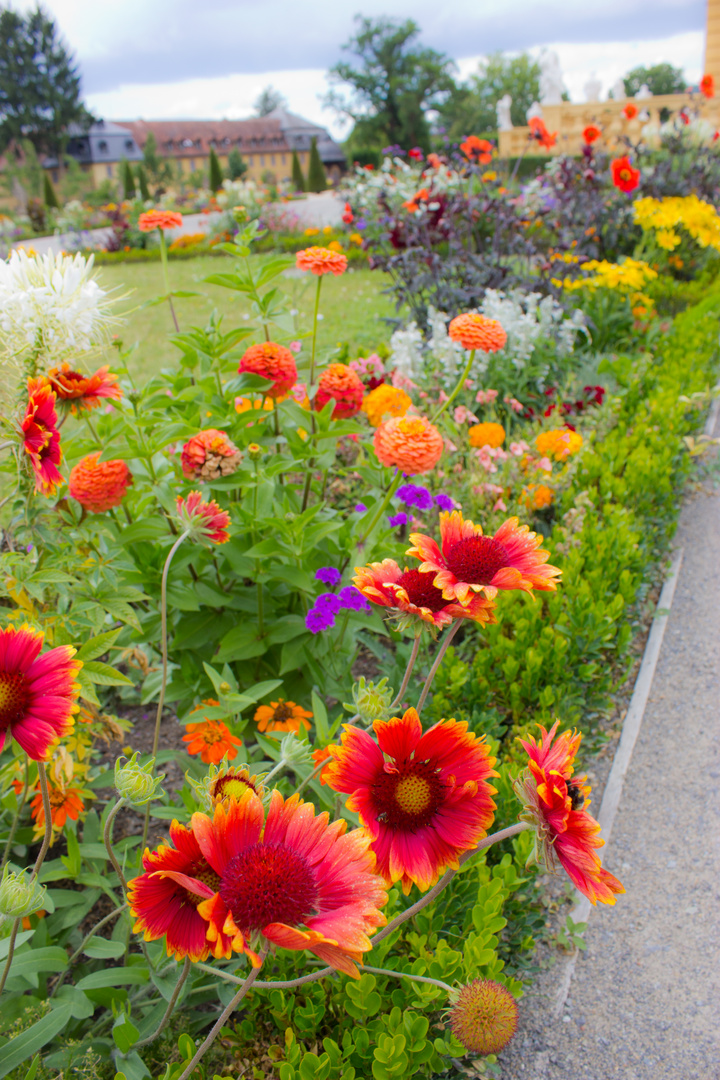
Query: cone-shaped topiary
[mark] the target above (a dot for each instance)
(216, 175)
(142, 183)
(237, 166)
(128, 180)
(49, 197)
(297, 174)
(316, 171)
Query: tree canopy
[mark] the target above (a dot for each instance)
(659, 79)
(269, 100)
(470, 109)
(390, 84)
(39, 83)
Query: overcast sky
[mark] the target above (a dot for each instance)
(163, 59)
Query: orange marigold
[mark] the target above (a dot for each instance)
(83, 391)
(282, 715)
(559, 443)
(410, 443)
(385, 400)
(99, 485)
(475, 331)
(343, 385)
(211, 739)
(209, 455)
(488, 434)
(273, 362)
(320, 260)
(159, 219)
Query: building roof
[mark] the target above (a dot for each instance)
(103, 142)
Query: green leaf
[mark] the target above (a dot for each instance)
(26, 1044)
(124, 1033)
(150, 528)
(113, 977)
(320, 717)
(32, 1071)
(104, 949)
(96, 646)
(52, 958)
(104, 675)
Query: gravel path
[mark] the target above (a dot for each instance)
(644, 1000)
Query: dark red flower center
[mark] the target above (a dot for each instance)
(477, 559)
(14, 697)
(409, 796)
(421, 591)
(268, 883)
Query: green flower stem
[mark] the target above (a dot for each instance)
(170, 1008)
(107, 838)
(166, 278)
(93, 432)
(460, 383)
(224, 1016)
(438, 661)
(314, 334)
(16, 819)
(383, 506)
(408, 673)
(11, 950)
(408, 975)
(278, 449)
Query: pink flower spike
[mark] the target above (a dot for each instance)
(203, 520)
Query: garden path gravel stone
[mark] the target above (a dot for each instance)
(644, 999)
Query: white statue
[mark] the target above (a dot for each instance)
(618, 90)
(551, 81)
(504, 120)
(643, 93)
(534, 110)
(592, 88)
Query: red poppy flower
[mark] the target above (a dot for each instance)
(413, 594)
(707, 86)
(630, 111)
(539, 132)
(423, 799)
(623, 175)
(476, 149)
(591, 133)
(347, 214)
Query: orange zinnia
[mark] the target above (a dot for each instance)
(343, 385)
(489, 434)
(159, 219)
(477, 149)
(65, 802)
(84, 391)
(555, 802)
(385, 400)
(319, 260)
(409, 443)
(591, 133)
(273, 362)
(209, 455)
(282, 715)
(475, 331)
(623, 175)
(212, 740)
(99, 486)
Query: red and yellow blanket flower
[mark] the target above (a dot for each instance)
(37, 693)
(159, 219)
(555, 802)
(487, 434)
(99, 485)
(414, 596)
(409, 443)
(231, 782)
(162, 900)
(211, 739)
(271, 361)
(41, 438)
(290, 880)
(385, 401)
(475, 331)
(339, 383)
(209, 455)
(476, 149)
(423, 800)
(320, 260)
(468, 562)
(203, 520)
(282, 715)
(624, 176)
(65, 802)
(84, 391)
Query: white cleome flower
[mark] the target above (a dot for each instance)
(51, 305)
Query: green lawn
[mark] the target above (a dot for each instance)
(352, 306)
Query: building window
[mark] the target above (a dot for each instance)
(262, 159)
(191, 165)
(282, 158)
(272, 159)
(102, 145)
(108, 170)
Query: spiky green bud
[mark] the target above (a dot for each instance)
(370, 702)
(18, 896)
(136, 783)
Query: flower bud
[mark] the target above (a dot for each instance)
(136, 783)
(225, 688)
(483, 1016)
(371, 702)
(294, 752)
(19, 896)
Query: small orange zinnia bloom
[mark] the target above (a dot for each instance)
(212, 740)
(41, 438)
(489, 434)
(475, 331)
(274, 362)
(624, 176)
(477, 149)
(100, 485)
(383, 401)
(65, 802)
(591, 133)
(343, 385)
(468, 562)
(282, 715)
(409, 443)
(84, 391)
(209, 455)
(559, 443)
(630, 111)
(707, 86)
(555, 802)
(414, 596)
(159, 219)
(320, 260)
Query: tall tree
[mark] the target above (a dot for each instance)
(392, 82)
(268, 100)
(297, 174)
(316, 180)
(127, 179)
(49, 195)
(39, 83)
(215, 171)
(470, 109)
(158, 170)
(142, 182)
(659, 79)
(237, 165)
